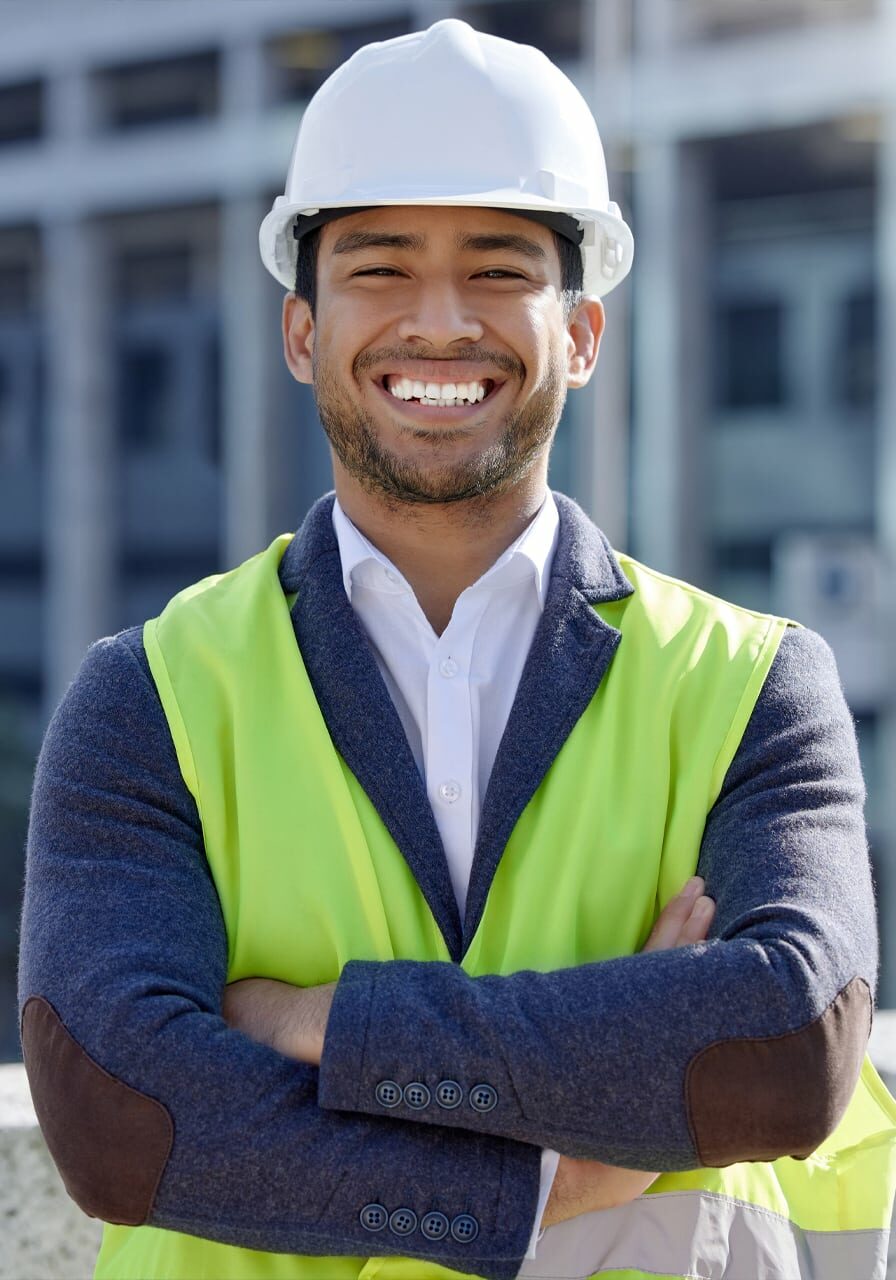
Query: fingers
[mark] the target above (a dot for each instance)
(696, 927)
(673, 917)
(685, 919)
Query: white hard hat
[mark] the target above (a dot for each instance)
(451, 116)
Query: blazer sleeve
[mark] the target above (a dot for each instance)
(745, 1047)
(156, 1111)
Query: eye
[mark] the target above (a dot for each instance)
(499, 271)
(372, 271)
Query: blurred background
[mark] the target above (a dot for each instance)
(740, 431)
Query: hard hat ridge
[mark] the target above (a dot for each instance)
(451, 116)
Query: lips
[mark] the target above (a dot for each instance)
(419, 370)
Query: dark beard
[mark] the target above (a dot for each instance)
(526, 435)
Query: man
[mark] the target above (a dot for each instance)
(354, 940)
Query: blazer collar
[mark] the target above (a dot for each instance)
(584, 558)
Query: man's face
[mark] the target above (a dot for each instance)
(451, 297)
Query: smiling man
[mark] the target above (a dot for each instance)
(365, 931)
(440, 356)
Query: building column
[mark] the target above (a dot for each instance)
(80, 504)
(247, 448)
(80, 524)
(670, 361)
(601, 444)
(885, 846)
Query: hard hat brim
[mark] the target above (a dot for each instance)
(607, 247)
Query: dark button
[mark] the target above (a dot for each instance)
(373, 1217)
(465, 1228)
(388, 1093)
(434, 1226)
(483, 1097)
(449, 1094)
(417, 1095)
(403, 1222)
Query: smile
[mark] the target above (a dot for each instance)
(430, 401)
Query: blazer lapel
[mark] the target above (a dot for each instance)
(359, 712)
(571, 650)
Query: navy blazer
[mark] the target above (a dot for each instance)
(123, 954)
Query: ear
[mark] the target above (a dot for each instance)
(298, 337)
(583, 333)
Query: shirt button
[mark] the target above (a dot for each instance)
(449, 791)
(448, 668)
(388, 1093)
(393, 577)
(465, 1228)
(483, 1097)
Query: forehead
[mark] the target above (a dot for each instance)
(416, 228)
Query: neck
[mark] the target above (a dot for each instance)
(441, 548)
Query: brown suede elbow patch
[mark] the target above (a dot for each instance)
(761, 1098)
(109, 1142)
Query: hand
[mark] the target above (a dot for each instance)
(292, 1020)
(581, 1186)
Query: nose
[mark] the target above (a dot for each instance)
(438, 316)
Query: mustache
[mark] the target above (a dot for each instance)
(472, 355)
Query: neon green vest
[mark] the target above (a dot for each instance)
(254, 751)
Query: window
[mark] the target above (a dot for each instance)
(166, 384)
(749, 362)
(302, 60)
(149, 93)
(211, 398)
(21, 395)
(156, 272)
(744, 557)
(21, 112)
(721, 19)
(555, 28)
(145, 392)
(16, 285)
(854, 358)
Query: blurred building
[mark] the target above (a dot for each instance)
(741, 428)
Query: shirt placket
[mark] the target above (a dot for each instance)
(449, 753)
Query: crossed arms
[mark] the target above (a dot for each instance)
(124, 960)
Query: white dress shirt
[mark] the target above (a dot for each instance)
(454, 692)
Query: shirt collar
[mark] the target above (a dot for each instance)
(535, 545)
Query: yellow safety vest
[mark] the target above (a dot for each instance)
(273, 792)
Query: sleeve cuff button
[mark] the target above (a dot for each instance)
(417, 1095)
(388, 1094)
(403, 1221)
(373, 1217)
(465, 1228)
(483, 1097)
(434, 1226)
(449, 1094)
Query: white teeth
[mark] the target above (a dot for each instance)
(445, 394)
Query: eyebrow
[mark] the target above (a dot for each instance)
(355, 241)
